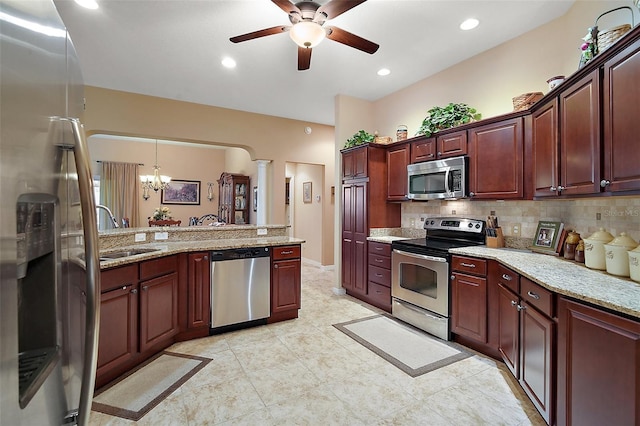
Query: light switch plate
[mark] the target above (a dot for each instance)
(140, 237)
(162, 236)
(262, 231)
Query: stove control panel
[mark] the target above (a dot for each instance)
(455, 224)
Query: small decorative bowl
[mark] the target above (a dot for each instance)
(555, 81)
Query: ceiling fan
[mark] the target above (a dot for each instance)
(308, 18)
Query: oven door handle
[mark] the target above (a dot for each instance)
(421, 256)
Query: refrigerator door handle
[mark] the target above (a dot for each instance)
(87, 204)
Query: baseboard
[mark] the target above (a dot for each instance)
(317, 264)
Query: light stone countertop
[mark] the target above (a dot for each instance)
(388, 239)
(166, 248)
(566, 277)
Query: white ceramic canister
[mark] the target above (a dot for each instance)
(616, 255)
(594, 249)
(634, 264)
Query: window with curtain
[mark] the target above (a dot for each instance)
(119, 183)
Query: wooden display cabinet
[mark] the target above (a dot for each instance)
(233, 205)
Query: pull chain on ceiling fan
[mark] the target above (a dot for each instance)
(307, 30)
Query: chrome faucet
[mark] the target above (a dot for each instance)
(111, 216)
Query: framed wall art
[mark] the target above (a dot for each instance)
(181, 192)
(306, 192)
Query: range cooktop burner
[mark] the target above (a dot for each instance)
(443, 234)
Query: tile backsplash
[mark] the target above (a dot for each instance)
(585, 215)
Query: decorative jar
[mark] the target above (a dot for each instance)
(617, 259)
(594, 249)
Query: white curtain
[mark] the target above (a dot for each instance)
(119, 191)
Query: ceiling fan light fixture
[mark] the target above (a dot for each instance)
(307, 34)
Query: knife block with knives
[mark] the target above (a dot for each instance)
(494, 236)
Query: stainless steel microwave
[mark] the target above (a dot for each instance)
(438, 180)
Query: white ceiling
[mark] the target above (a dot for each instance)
(173, 48)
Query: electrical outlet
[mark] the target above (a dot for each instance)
(262, 231)
(162, 235)
(422, 219)
(598, 216)
(515, 229)
(453, 212)
(492, 212)
(140, 237)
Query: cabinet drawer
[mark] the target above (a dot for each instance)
(379, 261)
(537, 296)
(158, 267)
(380, 275)
(118, 277)
(508, 278)
(469, 265)
(285, 252)
(380, 248)
(380, 293)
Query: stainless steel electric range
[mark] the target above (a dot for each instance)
(420, 270)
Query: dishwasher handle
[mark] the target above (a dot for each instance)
(239, 253)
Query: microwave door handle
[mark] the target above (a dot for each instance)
(447, 178)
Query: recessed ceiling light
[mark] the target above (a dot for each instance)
(89, 4)
(469, 24)
(384, 71)
(228, 63)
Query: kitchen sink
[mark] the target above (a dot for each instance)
(125, 253)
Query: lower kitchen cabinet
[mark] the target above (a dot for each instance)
(527, 336)
(199, 290)
(469, 298)
(379, 272)
(285, 283)
(158, 310)
(598, 366)
(118, 343)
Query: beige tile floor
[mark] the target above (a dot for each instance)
(306, 372)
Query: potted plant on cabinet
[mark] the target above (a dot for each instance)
(359, 138)
(440, 118)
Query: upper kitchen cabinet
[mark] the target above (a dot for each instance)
(233, 205)
(398, 158)
(621, 92)
(452, 144)
(423, 149)
(566, 141)
(496, 160)
(355, 163)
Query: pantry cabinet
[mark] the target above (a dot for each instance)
(598, 366)
(364, 206)
(496, 160)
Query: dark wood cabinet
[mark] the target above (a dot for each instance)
(285, 283)
(398, 158)
(496, 160)
(621, 126)
(379, 273)
(451, 144)
(469, 298)
(545, 161)
(598, 366)
(527, 336)
(118, 342)
(364, 206)
(355, 163)
(233, 198)
(423, 149)
(198, 290)
(158, 311)
(580, 137)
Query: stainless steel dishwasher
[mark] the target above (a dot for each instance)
(240, 286)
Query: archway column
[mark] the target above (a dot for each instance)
(262, 192)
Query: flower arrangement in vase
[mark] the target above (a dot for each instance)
(162, 213)
(589, 46)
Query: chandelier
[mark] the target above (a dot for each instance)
(156, 181)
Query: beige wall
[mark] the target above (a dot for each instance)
(264, 137)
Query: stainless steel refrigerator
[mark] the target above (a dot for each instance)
(49, 271)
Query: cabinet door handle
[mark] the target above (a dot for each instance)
(379, 260)
(206, 258)
(145, 288)
(430, 155)
(468, 265)
(439, 153)
(379, 248)
(533, 295)
(506, 277)
(472, 194)
(287, 252)
(561, 188)
(553, 189)
(275, 266)
(520, 308)
(453, 277)
(134, 291)
(514, 303)
(604, 183)
(378, 274)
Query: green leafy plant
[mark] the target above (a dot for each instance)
(440, 118)
(359, 138)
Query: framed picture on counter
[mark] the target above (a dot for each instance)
(547, 235)
(181, 192)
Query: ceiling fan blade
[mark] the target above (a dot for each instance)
(337, 7)
(287, 6)
(260, 33)
(304, 58)
(345, 37)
